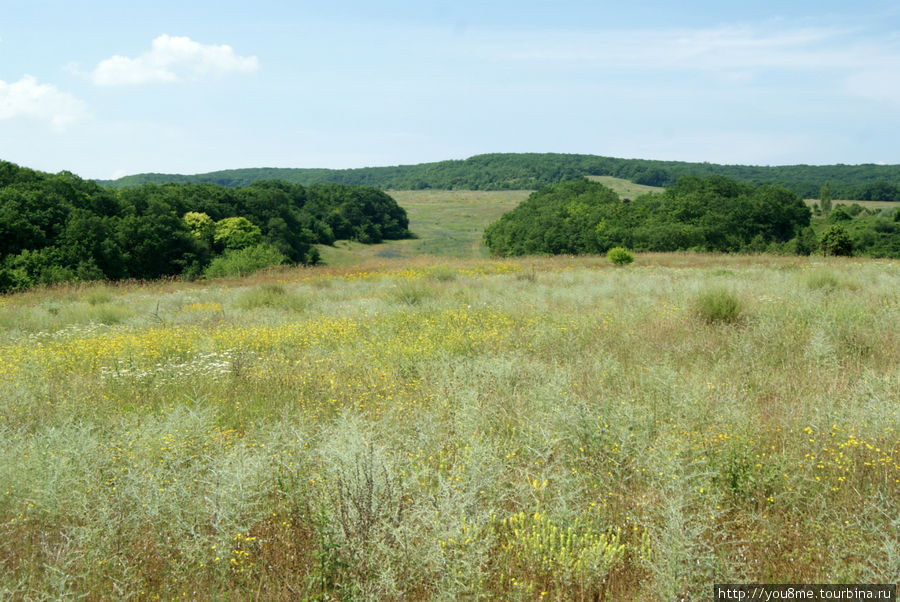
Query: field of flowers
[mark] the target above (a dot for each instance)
(536, 429)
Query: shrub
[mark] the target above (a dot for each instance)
(244, 261)
(854, 209)
(839, 214)
(619, 256)
(806, 242)
(718, 305)
(836, 241)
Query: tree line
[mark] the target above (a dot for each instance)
(59, 227)
(528, 171)
(704, 214)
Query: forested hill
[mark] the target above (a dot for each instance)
(58, 227)
(532, 171)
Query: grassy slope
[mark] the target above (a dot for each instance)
(863, 204)
(448, 223)
(625, 188)
(434, 428)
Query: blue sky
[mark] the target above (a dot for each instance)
(105, 89)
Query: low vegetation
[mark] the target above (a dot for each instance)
(550, 428)
(717, 305)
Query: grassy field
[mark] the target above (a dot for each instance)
(459, 428)
(447, 223)
(863, 204)
(626, 189)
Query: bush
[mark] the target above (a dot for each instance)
(806, 242)
(619, 256)
(854, 209)
(836, 241)
(718, 305)
(839, 214)
(244, 261)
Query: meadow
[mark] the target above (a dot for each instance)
(625, 188)
(446, 223)
(454, 428)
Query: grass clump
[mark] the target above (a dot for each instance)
(826, 281)
(718, 305)
(409, 293)
(619, 256)
(442, 273)
(99, 296)
(272, 296)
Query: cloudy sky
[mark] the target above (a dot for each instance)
(105, 89)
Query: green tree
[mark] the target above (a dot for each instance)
(236, 233)
(806, 242)
(201, 225)
(825, 198)
(836, 241)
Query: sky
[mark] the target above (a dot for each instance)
(105, 89)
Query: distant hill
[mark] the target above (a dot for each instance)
(511, 171)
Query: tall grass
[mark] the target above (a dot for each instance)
(454, 431)
(718, 305)
(271, 295)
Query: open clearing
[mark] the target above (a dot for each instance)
(454, 429)
(448, 223)
(626, 189)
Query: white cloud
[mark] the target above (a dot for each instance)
(44, 102)
(172, 59)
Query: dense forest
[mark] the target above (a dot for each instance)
(702, 214)
(60, 228)
(531, 171)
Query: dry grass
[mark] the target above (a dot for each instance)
(440, 428)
